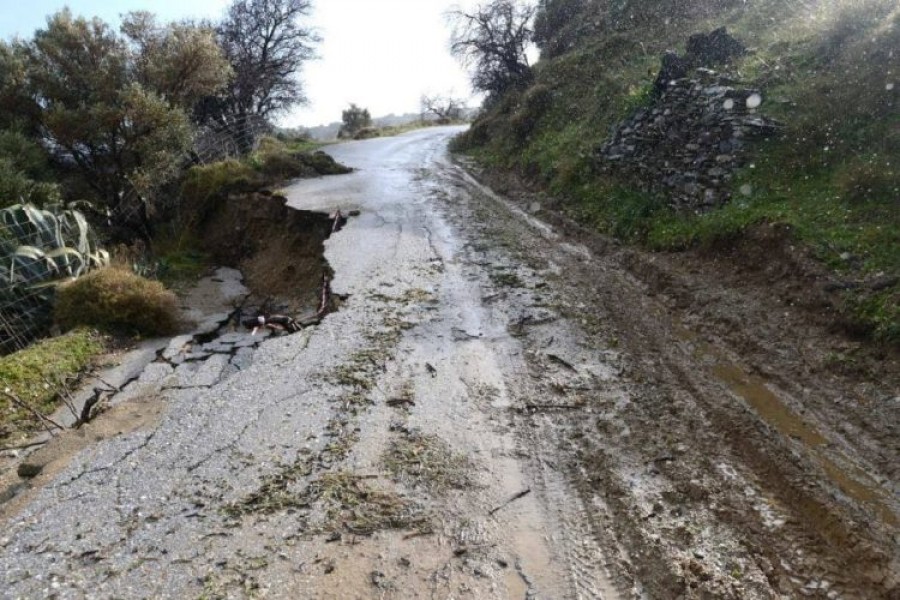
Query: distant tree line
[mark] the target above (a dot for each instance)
(88, 111)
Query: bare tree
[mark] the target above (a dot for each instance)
(267, 46)
(444, 108)
(492, 41)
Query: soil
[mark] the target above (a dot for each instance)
(755, 410)
(278, 249)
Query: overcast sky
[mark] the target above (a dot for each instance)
(380, 54)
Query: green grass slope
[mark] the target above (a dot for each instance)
(828, 69)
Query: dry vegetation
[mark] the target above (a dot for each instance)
(115, 299)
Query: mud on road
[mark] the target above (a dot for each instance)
(501, 408)
(744, 450)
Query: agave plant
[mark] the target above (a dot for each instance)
(39, 249)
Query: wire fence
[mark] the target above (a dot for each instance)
(23, 318)
(211, 143)
(41, 248)
(231, 140)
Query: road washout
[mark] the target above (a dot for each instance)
(289, 275)
(498, 409)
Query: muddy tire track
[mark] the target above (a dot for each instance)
(686, 447)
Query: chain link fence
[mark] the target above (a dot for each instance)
(38, 250)
(211, 143)
(219, 142)
(41, 248)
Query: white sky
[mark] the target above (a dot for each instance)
(381, 54)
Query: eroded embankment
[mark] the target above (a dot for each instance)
(281, 253)
(280, 250)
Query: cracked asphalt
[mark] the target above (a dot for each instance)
(184, 507)
(502, 407)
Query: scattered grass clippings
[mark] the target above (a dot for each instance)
(420, 460)
(354, 505)
(505, 279)
(274, 493)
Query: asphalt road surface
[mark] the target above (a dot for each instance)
(495, 411)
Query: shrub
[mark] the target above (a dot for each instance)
(283, 165)
(39, 249)
(868, 180)
(205, 182)
(205, 185)
(324, 164)
(366, 133)
(115, 299)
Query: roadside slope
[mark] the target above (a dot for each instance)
(828, 180)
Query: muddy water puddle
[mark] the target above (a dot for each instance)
(853, 481)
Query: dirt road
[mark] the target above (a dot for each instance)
(496, 411)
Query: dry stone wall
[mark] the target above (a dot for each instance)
(689, 143)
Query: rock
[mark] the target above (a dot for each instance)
(688, 130)
(673, 69)
(27, 470)
(716, 47)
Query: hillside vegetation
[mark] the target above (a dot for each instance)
(827, 71)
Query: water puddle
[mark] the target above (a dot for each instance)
(767, 404)
(851, 480)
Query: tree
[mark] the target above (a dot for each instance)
(492, 41)
(266, 46)
(444, 108)
(182, 62)
(114, 107)
(354, 119)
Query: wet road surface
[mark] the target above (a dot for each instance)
(495, 411)
(260, 481)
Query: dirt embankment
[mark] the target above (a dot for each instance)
(280, 250)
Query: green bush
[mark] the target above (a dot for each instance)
(323, 164)
(870, 179)
(115, 299)
(204, 182)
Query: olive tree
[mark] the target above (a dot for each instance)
(113, 107)
(444, 108)
(354, 119)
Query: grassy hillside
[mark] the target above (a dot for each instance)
(828, 70)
